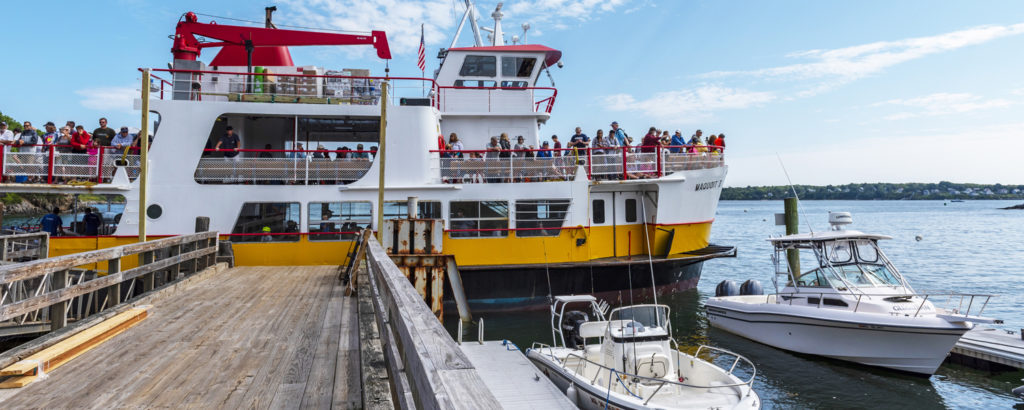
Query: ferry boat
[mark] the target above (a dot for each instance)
(522, 226)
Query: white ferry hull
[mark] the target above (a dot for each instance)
(916, 345)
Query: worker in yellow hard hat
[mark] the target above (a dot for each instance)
(266, 235)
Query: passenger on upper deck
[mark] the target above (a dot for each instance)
(579, 139)
(297, 153)
(51, 136)
(651, 141)
(122, 140)
(6, 135)
(676, 142)
(359, 154)
(28, 138)
(493, 148)
(720, 142)
(81, 141)
(267, 154)
(506, 146)
(557, 145)
(545, 150)
(520, 147)
(103, 134)
(321, 152)
(373, 152)
(600, 143)
(621, 138)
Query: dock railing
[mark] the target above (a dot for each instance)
(22, 247)
(74, 286)
(438, 373)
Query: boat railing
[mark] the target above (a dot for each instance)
(638, 379)
(283, 167)
(951, 297)
(56, 164)
(509, 98)
(279, 87)
(540, 165)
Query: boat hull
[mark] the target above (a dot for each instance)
(916, 345)
(525, 288)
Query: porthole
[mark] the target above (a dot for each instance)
(154, 211)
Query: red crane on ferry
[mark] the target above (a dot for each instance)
(240, 42)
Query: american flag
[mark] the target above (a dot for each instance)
(422, 61)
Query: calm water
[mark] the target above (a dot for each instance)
(969, 247)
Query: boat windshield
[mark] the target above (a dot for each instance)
(857, 274)
(648, 315)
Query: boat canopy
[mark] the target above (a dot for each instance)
(825, 236)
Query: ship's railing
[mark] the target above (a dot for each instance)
(954, 302)
(57, 164)
(207, 85)
(497, 99)
(541, 165)
(283, 167)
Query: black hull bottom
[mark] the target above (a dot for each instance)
(526, 288)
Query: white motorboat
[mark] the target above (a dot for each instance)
(853, 305)
(634, 363)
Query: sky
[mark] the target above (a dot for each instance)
(838, 92)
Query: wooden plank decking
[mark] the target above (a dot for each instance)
(253, 337)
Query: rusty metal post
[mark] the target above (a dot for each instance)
(437, 291)
(413, 207)
(458, 292)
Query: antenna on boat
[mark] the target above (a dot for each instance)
(793, 188)
(470, 15)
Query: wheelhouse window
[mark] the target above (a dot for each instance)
(540, 217)
(479, 66)
(329, 221)
(478, 219)
(267, 222)
(399, 209)
(476, 83)
(517, 66)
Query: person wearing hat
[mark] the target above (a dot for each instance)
(229, 143)
(677, 142)
(267, 237)
(122, 140)
(545, 150)
(621, 138)
(6, 135)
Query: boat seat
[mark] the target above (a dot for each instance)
(650, 362)
(593, 329)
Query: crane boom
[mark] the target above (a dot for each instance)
(187, 47)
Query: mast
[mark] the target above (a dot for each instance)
(477, 40)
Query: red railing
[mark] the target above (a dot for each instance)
(58, 162)
(196, 80)
(532, 165)
(548, 103)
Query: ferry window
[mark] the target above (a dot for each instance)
(598, 211)
(517, 66)
(866, 252)
(476, 83)
(330, 221)
(479, 66)
(631, 210)
(267, 222)
(540, 218)
(478, 219)
(399, 209)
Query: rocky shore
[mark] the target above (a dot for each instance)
(1021, 206)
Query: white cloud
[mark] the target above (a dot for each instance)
(108, 98)
(839, 66)
(942, 104)
(688, 105)
(401, 19)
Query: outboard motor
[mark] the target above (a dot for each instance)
(727, 288)
(571, 328)
(1019, 392)
(751, 287)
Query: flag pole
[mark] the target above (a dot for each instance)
(423, 68)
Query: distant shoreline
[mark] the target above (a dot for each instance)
(879, 191)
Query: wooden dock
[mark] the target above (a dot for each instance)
(254, 337)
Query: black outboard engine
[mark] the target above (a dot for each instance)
(1019, 392)
(571, 328)
(751, 287)
(727, 288)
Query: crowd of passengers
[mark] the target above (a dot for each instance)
(616, 141)
(70, 139)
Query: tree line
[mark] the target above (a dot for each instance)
(941, 190)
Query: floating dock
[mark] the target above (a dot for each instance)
(514, 381)
(989, 349)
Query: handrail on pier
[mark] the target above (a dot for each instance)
(29, 287)
(439, 373)
(17, 247)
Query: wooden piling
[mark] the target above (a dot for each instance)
(792, 228)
